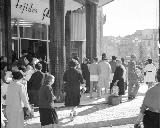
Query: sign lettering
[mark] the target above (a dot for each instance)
(46, 13)
(26, 7)
(31, 10)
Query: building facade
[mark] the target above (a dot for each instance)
(142, 43)
(40, 26)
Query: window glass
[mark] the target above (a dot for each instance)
(29, 29)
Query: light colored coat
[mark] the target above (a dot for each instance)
(94, 72)
(16, 99)
(104, 74)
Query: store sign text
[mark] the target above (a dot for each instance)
(31, 10)
(28, 7)
(46, 13)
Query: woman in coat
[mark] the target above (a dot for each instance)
(72, 79)
(119, 75)
(48, 115)
(15, 96)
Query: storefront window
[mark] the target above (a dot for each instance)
(14, 28)
(29, 29)
(29, 36)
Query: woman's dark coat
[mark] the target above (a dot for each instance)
(72, 77)
(119, 75)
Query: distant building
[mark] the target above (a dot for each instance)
(143, 43)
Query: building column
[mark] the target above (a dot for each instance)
(159, 53)
(91, 29)
(5, 28)
(57, 44)
(68, 36)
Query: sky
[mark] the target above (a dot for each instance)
(124, 17)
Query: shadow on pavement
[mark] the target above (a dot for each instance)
(109, 123)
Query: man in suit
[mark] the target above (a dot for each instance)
(34, 85)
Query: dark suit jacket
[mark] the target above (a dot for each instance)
(35, 81)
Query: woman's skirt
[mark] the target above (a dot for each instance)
(93, 77)
(48, 116)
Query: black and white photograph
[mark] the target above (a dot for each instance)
(80, 63)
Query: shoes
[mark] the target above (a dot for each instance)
(131, 97)
(74, 113)
(71, 116)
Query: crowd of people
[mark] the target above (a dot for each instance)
(29, 83)
(106, 74)
(26, 86)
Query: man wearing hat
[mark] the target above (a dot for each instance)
(34, 84)
(104, 75)
(149, 72)
(113, 64)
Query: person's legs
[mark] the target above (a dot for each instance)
(107, 92)
(107, 87)
(130, 87)
(91, 88)
(95, 85)
(36, 98)
(73, 112)
(120, 96)
(31, 96)
(99, 91)
(150, 84)
(136, 89)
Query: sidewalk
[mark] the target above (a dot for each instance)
(95, 113)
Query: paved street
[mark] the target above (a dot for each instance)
(94, 113)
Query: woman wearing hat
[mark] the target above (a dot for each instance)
(48, 114)
(72, 80)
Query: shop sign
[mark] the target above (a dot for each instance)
(31, 10)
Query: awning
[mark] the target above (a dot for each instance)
(104, 2)
(69, 4)
(100, 3)
(37, 10)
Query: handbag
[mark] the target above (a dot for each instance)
(27, 114)
(115, 89)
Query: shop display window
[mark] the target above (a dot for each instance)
(28, 29)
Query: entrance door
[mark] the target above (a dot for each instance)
(35, 47)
